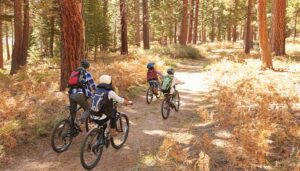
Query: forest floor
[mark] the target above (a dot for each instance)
(147, 131)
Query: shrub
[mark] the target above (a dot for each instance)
(177, 51)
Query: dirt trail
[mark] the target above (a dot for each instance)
(147, 131)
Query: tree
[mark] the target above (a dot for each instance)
(263, 35)
(203, 29)
(191, 17)
(278, 27)
(1, 46)
(146, 39)
(72, 37)
(248, 38)
(124, 38)
(7, 42)
(183, 33)
(213, 22)
(195, 36)
(25, 39)
(17, 51)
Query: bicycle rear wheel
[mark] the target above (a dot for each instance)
(122, 124)
(149, 95)
(165, 108)
(61, 137)
(92, 148)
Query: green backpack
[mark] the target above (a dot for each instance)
(166, 83)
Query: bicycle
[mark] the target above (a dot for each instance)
(99, 137)
(63, 133)
(171, 101)
(150, 92)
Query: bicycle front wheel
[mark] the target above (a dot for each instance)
(92, 148)
(149, 95)
(176, 101)
(165, 108)
(61, 137)
(122, 128)
(89, 124)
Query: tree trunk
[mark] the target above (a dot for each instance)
(137, 22)
(124, 38)
(96, 47)
(278, 27)
(52, 24)
(7, 42)
(1, 46)
(248, 37)
(191, 17)
(175, 31)
(146, 39)
(17, 51)
(106, 25)
(228, 33)
(203, 35)
(12, 35)
(234, 32)
(183, 33)
(25, 42)
(263, 35)
(213, 23)
(195, 36)
(115, 35)
(295, 26)
(72, 37)
(219, 31)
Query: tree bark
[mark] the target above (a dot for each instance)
(175, 31)
(195, 36)
(17, 50)
(1, 46)
(228, 33)
(72, 37)
(52, 25)
(203, 34)
(183, 33)
(191, 17)
(213, 23)
(7, 42)
(25, 41)
(234, 32)
(278, 27)
(146, 39)
(263, 35)
(295, 26)
(248, 37)
(137, 23)
(124, 37)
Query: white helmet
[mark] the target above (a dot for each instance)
(105, 79)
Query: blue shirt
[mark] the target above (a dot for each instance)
(88, 86)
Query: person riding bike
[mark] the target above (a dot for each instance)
(82, 95)
(152, 76)
(103, 101)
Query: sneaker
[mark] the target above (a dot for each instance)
(113, 132)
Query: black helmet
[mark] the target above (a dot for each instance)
(170, 71)
(84, 63)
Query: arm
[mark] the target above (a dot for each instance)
(115, 97)
(177, 81)
(160, 74)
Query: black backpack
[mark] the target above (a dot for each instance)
(100, 99)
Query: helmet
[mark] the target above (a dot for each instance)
(84, 63)
(105, 79)
(170, 71)
(150, 65)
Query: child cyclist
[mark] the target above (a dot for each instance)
(152, 76)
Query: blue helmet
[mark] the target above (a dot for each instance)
(150, 65)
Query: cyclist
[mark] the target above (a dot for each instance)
(82, 95)
(103, 101)
(152, 76)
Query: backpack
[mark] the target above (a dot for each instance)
(166, 83)
(100, 99)
(152, 75)
(76, 79)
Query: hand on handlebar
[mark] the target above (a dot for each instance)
(128, 102)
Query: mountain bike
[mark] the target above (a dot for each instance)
(99, 138)
(153, 88)
(171, 101)
(63, 132)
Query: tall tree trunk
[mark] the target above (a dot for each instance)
(115, 35)
(106, 25)
(12, 34)
(124, 38)
(195, 36)
(52, 25)
(183, 33)
(146, 39)
(175, 31)
(191, 17)
(219, 31)
(228, 33)
(137, 21)
(1, 46)
(234, 31)
(263, 35)
(72, 36)
(17, 51)
(295, 26)
(96, 47)
(278, 27)
(7, 42)
(25, 42)
(213, 23)
(203, 34)
(248, 37)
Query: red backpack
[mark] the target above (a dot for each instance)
(76, 78)
(152, 75)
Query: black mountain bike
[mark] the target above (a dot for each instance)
(63, 132)
(171, 101)
(151, 91)
(99, 137)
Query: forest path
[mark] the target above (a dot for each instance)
(147, 130)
